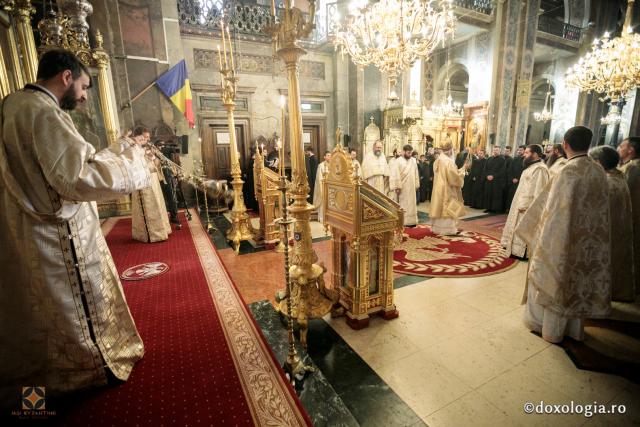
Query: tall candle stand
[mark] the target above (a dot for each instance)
(307, 302)
(241, 228)
(293, 366)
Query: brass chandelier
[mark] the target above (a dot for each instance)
(448, 108)
(545, 115)
(612, 68)
(393, 34)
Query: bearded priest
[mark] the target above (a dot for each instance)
(64, 320)
(532, 181)
(447, 205)
(375, 169)
(404, 181)
(568, 230)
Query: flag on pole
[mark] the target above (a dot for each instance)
(175, 84)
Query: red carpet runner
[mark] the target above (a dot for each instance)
(205, 362)
(468, 254)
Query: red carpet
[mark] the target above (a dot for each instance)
(469, 254)
(197, 369)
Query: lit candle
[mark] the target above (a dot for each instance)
(282, 104)
(230, 49)
(224, 46)
(262, 148)
(219, 57)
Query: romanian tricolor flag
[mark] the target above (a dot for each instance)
(175, 84)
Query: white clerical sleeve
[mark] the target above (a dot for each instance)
(73, 168)
(537, 183)
(395, 181)
(416, 174)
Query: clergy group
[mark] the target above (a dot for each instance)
(574, 214)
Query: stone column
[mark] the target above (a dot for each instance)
(530, 29)
(519, 20)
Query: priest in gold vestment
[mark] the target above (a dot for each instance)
(568, 231)
(64, 320)
(447, 205)
(403, 181)
(375, 169)
(532, 181)
(629, 151)
(622, 254)
(149, 218)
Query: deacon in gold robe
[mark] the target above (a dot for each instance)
(317, 191)
(568, 231)
(149, 218)
(375, 169)
(447, 205)
(629, 151)
(403, 181)
(622, 254)
(532, 181)
(64, 320)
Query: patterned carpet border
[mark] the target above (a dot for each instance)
(270, 397)
(434, 256)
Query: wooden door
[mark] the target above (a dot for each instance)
(216, 155)
(311, 137)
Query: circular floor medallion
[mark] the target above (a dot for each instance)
(144, 271)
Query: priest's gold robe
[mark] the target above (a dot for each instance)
(631, 172)
(64, 319)
(622, 253)
(568, 231)
(532, 181)
(317, 190)
(149, 218)
(447, 205)
(556, 167)
(404, 176)
(375, 171)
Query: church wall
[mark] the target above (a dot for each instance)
(262, 80)
(565, 102)
(475, 54)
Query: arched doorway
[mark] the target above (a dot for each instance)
(538, 130)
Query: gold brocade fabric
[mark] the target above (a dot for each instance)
(631, 172)
(567, 229)
(448, 181)
(622, 253)
(149, 219)
(63, 313)
(532, 182)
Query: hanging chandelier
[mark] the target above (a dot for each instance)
(613, 117)
(612, 68)
(545, 115)
(447, 108)
(393, 34)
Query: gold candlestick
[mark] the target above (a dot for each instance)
(241, 228)
(306, 300)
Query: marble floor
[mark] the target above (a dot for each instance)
(458, 354)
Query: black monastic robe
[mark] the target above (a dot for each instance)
(493, 190)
